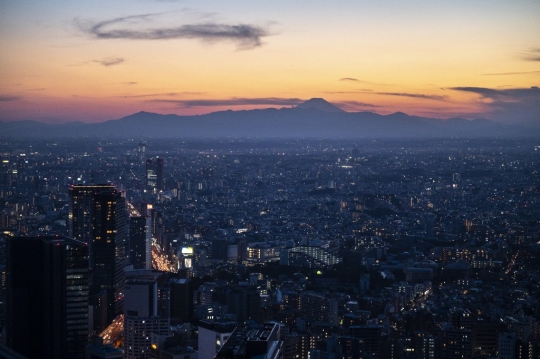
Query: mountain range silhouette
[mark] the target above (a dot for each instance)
(315, 118)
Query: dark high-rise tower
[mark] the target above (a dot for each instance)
(21, 170)
(47, 297)
(5, 171)
(160, 178)
(109, 247)
(154, 173)
(98, 217)
(181, 299)
(140, 242)
(81, 209)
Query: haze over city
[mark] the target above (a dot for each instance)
(65, 61)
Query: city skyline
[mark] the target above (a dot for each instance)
(94, 62)
(366, 247)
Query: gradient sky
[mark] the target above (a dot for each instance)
(91, 61)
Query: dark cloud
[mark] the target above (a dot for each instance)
(349, 104)
(129, 83)
(482, 91)
(513, 73)
(234, 101)
(512, 95)
(110, 61)
(413, 95)
(167, 94)
(6, 98)
(515, 105)
(246, 36)
(171, 94)
(533, 55)
(349, 79)
(193, 93)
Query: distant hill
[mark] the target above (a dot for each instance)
(315, 118)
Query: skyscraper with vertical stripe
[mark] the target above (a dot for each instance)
(98, 217)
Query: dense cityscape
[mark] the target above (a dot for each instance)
(270, 249)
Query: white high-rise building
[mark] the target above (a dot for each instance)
(141, 318)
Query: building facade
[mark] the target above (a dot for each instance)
(140, 242)
(47, 297)
(154, 174)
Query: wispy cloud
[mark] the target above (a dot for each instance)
(351, 79)
(412, 95)
(170, 94)
(354, 105)
(357, 103)
(129, 83)
(110, 61)
(415, 95)
(513, 73)
(246, 36)
(533, 55)
(6, 98)
(509, 105)
(164, 94)
(234, 101)
(493, 94)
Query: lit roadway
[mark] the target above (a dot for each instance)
(160, 260)
(132, 210)
(114, 333)
(511, 263)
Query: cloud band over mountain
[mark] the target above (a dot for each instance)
(234, 101)
(413, 95)
(6, 98)
(520, 105)
(407, 94)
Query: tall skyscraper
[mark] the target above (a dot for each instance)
(141, 152)
(21, 169)
(5, 171)
(140, 242)
(98, 217)
(47, 297)
(81, 212)
(154, 174)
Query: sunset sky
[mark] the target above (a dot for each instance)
(91, 61)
